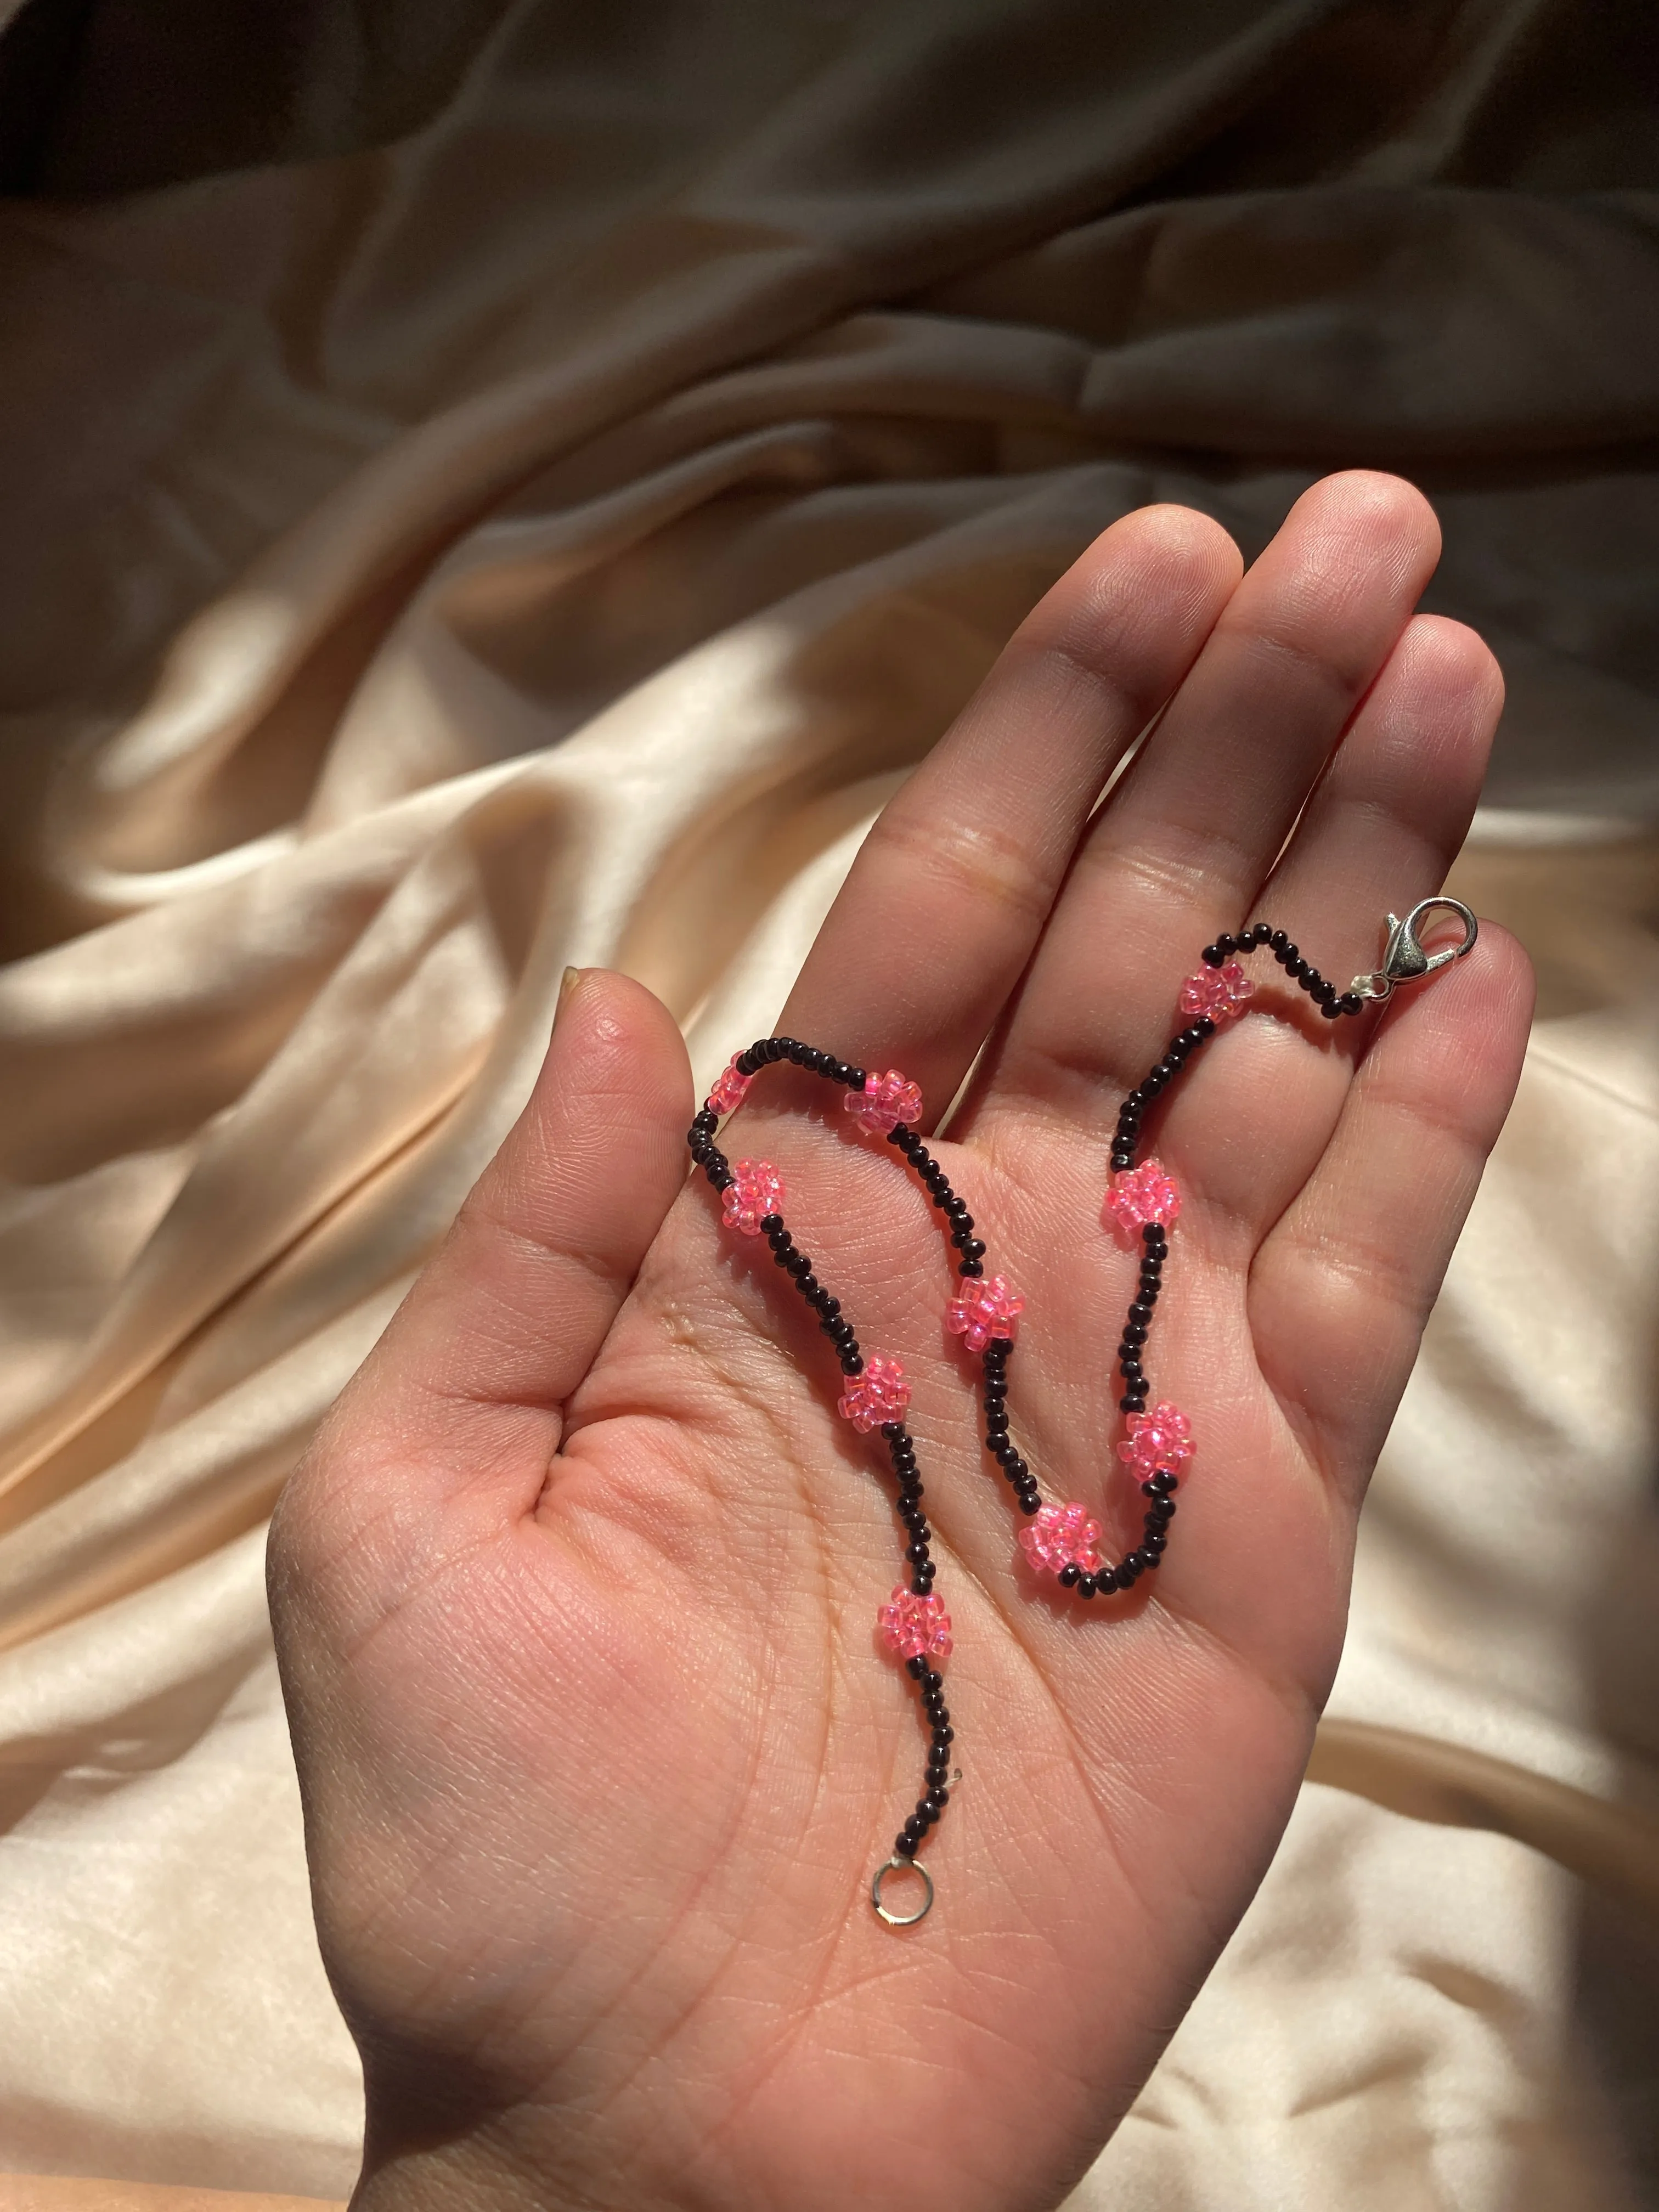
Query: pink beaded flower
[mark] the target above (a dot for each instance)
(879, 1394)
(986, 1306)
(1059, 1536)
(756, 1190)
(1138, 1195)
(732, 1088)
(884, 1102)
(915, 1627)
(1221, 993)
(1160, 1439)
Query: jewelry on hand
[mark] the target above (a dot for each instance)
(1142, 1204)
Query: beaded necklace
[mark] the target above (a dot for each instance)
(1142, 1204)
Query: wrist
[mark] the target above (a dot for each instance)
(450, 2177)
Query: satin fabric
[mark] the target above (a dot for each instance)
(549, 538)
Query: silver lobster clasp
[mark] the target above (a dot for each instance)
(1403, 957)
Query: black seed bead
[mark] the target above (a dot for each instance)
(971, 1268)
(1212, 956)
(1141, 1312)
(1154, 1545)
(937, 1801)
(1134, 1335)
(1120, 1160)
(1351, 1003)
(1131, 1405)
(1086, 1585)
(1226, 944)
(1030, 1502)
(1071, 1575)
(944, 1734)
(1330, 1010)
(904, 1847)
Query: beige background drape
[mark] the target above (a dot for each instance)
(548, 535)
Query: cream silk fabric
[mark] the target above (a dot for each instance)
(549, 538)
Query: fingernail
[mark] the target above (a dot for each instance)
(568, 983)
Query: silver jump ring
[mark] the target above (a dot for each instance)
(902, 1919)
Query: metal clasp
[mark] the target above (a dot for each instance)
(1403, 957)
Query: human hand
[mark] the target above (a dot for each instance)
(574, 1593)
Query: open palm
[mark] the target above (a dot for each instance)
(575, 1594)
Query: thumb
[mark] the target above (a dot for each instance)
(464, 1391)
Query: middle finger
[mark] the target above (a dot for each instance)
(1182, 847)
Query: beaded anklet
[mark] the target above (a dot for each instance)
(1142, 1204)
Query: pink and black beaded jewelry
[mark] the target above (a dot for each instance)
(1142, 1203)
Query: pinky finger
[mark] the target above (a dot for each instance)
(1343, 1284)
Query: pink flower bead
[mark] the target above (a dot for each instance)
(1158, 1440)
(985, 1306)
(876, 1395)
(916, 1627)
(1138, 1195)
(756, 1190)
(884, 1102)
(732, 1088)
(1059, 1536)
(1221, 993)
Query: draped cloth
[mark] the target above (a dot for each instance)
(548, 535)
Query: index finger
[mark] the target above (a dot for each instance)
(951, 889)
